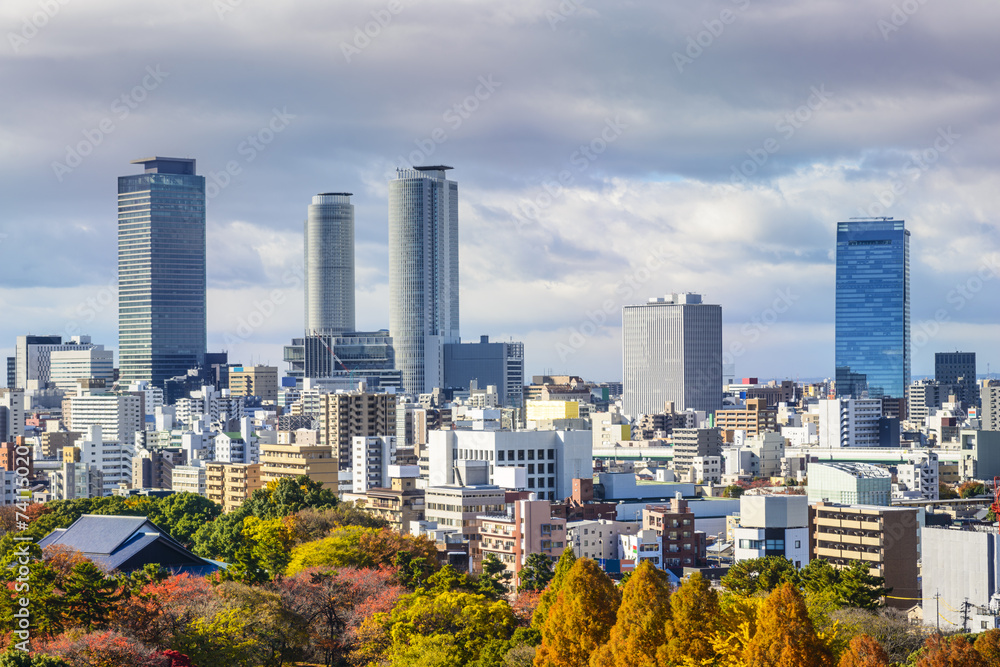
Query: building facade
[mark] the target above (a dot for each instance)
(329, 264)
(849, 483)
(672, 351)
(345, 416)
(773, 526)
(162, 306)
(499, 364)
(260, 381)
(423, 274)
(958, 368)
(873, 308)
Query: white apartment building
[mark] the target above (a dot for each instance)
(189, 479)
(919, 477)
(232, 447)
(119, 416)
(775, 525)
(67, 367)
(111, 457)
(599, 539)
(849, 422)
(371, 458)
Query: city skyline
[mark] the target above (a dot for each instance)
(584, 188)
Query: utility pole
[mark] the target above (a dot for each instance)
(937, 610)
(965, 615)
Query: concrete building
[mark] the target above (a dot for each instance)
(401, 503)
(924, 396)
(960, 565)
(112, 457)
(329, 264)
(849, 422)
(423, 273)
(773, 526)
(460, 508)
(119, 416)
(683, 546)
(529, 529)
(672, 351)
(373, 456)
(11, 413)
(296, 456)
(231, 447)
(153, 469)
(755, 419)
(230, 484)
(498, 364)
(600, 539)
(550, 459)
(33, 358)
(849, 483)
(990, 397)
(345, 359)
(920, 477)
(87, 362)
(692, 442)
(162, 306)
(260, 381)
(885, 538)
(959, 369)
(608, 429)
(541, 411)
(345, 416)
(189, 479)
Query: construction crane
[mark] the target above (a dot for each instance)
(350, 373)
(995, 507)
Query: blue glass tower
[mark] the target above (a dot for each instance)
(162, 318)
(873, 308)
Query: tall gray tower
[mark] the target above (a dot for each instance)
(423, 273)
(329, 264)
(162, 307)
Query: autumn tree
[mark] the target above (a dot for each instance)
(759, 575)
(785, 636)
(89, 596)
(160, 613)
(941, 651)
(971, 489)
(641, 623)
(694, 612)
(355, 546)
(551, 591)
(864, 651)
(581, 619)
(987, 644)
(536, 573)
(889, 627)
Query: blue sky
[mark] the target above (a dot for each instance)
(605, 152)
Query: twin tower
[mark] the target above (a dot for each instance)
(423, 271)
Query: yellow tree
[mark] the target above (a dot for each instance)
(864, 652)
(642, 621)
(954, 652)
(785, 636)
(581, 619)
(551, 591)
(694, 611)
(987, 644)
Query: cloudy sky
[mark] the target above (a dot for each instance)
(606, 151)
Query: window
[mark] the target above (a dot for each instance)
(552, 482)
(531, 454)
(774, 545)
(552, 454)
(798, 544)
(500, 455)
(541, 454)
(520, 455)
(531, 468)
(531, 482)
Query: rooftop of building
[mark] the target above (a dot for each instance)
(860, 470)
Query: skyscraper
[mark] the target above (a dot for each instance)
(162, 318)
(958, 368)
(329, 264)
(423, 273)
(672, 351)
(873, 308)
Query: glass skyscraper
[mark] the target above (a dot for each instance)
(873, 308)
(162, 317)
(423, 273)
(329, 264)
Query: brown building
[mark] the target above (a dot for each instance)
(883, 537)
(298, 454)
(774, 394)
(230, 484)
(11, 460)
(400, 505)
(530, 529)
(54, 441)
(683, 546)
(754, 419)
(581, 506)
(153, 469)
(259, 381)
(344, 416)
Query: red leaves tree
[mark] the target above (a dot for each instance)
(785, 636)
(864, 652)
(940, 651)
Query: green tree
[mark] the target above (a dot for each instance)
(536, 573)
(13, 658)
(581, 619)
(363, 547)
(819, 576)
(264, 550)
(760, 575)
(551, 592)
(495, 580)
(89, 596)
(287, 496)
(946, 492)
(971, 489)
(182, 514)
(858, 587)
(641, 623)
(732, 491)
(785, 636)
(694, 615)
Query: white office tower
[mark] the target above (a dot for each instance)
(423, 274)
(329, 264)
(672, 351)
(112, 457)
(67, 367)
(849, 422)
(373, 455)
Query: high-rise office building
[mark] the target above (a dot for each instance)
(958, 368)
(329, 264)
(162, 318)
(33, 358)
(423, 273)
(672, 351)
(500, 364)
(873, 308)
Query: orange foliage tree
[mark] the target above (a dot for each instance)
(864, 652)
(642, 621)
(988, 645)
(955, 652)
(581, 619)
(785, 636)
(694, 611)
